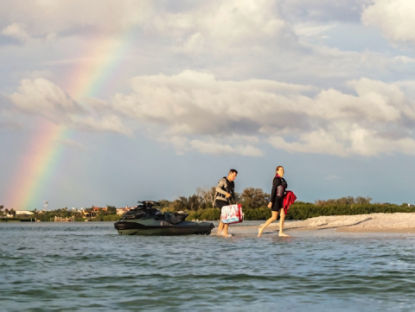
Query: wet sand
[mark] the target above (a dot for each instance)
(365, 223)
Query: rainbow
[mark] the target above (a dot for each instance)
(103, 58)
(36, 166)
(99, 67)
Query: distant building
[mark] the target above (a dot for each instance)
(121, 211)
(62, 219)
(98, 209)
(22, 213)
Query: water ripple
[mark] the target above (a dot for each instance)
(88, 267)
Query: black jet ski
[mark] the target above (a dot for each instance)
(144, 219)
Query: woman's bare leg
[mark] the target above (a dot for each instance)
(282, 219)
(274, 217)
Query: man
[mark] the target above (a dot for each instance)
(225, 194)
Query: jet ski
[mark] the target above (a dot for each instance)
(144, 219)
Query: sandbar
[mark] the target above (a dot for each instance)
(364, 223)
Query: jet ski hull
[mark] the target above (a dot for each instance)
(183, 228)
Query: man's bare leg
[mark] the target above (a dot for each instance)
(220, 228)
(225, 232)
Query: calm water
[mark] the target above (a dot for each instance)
(89, 267)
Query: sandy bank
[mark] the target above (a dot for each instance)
(376, 222)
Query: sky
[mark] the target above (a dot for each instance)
(110, 102)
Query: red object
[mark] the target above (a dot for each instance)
(232, 214)
(288, 200)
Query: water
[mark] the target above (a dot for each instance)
(89, 267)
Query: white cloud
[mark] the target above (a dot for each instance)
(395, 18)
(323, 10)
(107, 123)
(16, 31)
(209, 27)
(41, 97)
(236, 40)
(44, 18)
(197, 111)
(222, 24)
(214, 147)
(332, 111)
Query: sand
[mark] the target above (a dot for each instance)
(376, 222)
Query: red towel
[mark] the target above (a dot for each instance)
(288, 200)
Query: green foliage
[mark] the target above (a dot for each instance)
(261, 213)
(210, 214)
(111, 210)
(254, 201)
(112, 217)
(343, 206)
(254, 198)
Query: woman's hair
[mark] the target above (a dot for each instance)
(278, 167)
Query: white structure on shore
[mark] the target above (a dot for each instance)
(24, 213)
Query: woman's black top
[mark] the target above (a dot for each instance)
(279, 185)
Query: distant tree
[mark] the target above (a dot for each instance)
(193, 202)
(164, 203)
(254, 198)
(180, 204)
(11, 212)
(206, 196)
(111, 210)
(362, 200)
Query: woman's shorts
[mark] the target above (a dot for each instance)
(277, 205)
(275, 208)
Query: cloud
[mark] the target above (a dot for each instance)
(48, 18)
(213, 145)
(197, 111)
(219, 106)
(214, 25)
(235, 40)
(105, 123)
(322, 10)
(221, 25)
(393, 17)
(41, 97)
(16, 31)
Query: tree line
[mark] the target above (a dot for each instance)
(254, 201)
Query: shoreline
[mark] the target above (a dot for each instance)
(375, 222)
(364, 223)
(399, 222)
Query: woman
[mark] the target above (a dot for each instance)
(279, 185)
